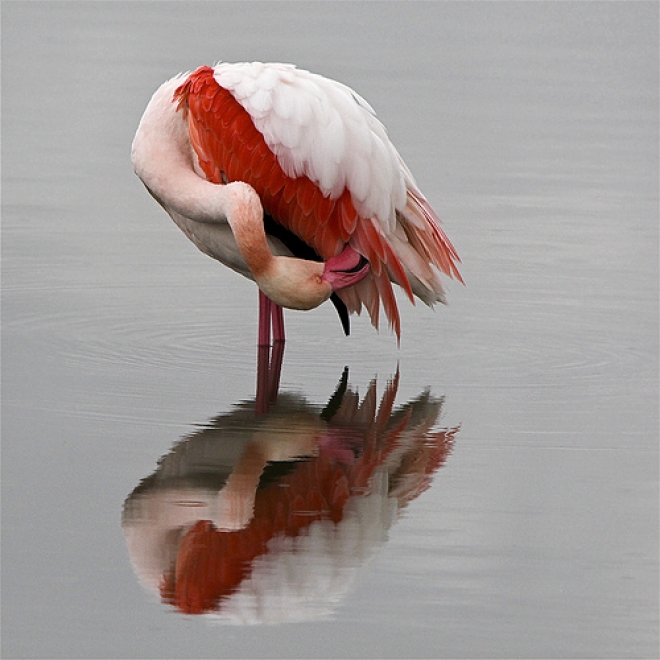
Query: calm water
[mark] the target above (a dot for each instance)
(510, 446)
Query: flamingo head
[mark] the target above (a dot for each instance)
(346, 269)
(302, 284)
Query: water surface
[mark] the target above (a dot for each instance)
(532, 129)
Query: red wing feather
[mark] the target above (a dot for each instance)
(225, 139)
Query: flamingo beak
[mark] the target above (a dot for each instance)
(346, 269)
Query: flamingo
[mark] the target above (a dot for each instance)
(288, 178)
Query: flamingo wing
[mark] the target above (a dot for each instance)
(324, 169)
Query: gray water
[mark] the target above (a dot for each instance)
(533, 130)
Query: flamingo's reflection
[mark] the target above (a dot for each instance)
(267, 517)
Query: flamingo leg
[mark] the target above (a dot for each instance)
(265, 310)
(270, 316)
(269, 365)
(278, 323)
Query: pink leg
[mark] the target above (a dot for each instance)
(278, 323)
(270, 315)
(264, 319)
(269, 366)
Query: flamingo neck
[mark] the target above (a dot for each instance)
(244, 214)
(164, 160)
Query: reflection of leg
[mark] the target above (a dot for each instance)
(269, 367)
(275, 369)
(263, 378)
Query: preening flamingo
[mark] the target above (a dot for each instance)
(290, 179)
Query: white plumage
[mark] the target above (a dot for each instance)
(322, 129)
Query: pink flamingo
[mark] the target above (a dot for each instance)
(289, 178)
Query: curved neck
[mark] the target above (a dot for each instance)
(163, 158)
(244, 213)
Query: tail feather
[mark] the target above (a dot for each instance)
(384, 287)
(412, 256)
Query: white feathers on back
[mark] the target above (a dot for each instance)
(322, 129)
